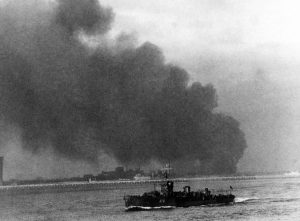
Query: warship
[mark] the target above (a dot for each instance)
(167, 198)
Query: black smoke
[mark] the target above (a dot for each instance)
(87, 15)
(119, 97)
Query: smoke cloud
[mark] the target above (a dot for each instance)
(87, 16)
(119, 97)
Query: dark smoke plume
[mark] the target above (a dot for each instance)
(87, 15)
(124, 100)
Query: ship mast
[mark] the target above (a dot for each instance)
(166, 170)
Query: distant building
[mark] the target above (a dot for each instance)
(89, 177)
(118, 173)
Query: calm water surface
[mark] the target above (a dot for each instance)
(260, 199)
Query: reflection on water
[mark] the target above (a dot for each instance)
(260, 199)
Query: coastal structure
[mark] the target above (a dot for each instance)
(1, 170)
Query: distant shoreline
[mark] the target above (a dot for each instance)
(100, 185)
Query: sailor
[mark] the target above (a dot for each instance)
(170, 186)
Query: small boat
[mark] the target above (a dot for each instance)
(167, 198)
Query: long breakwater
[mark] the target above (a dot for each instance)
(94, 185)
(112, 184)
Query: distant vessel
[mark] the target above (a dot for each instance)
(167, 198)
(139, 177)
(292, 174)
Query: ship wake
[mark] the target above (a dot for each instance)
(245, 199)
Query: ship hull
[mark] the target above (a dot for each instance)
(138, 203)
(143, 208)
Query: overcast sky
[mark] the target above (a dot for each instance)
(249, 50)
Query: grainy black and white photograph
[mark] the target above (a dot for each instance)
(122, 110)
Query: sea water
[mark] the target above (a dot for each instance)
(263, 198)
